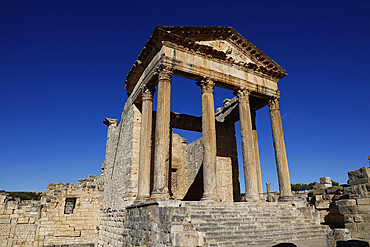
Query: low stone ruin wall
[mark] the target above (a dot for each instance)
(346, 206)
(67, 214)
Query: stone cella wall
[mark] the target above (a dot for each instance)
(67, 214)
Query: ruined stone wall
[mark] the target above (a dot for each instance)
(353, 202)
(66, 214)
(18, 221)
(122, 160)
(158, 224)
(193, 174)
(120, 175)
(346, 206)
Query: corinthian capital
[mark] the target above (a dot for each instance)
(273, 103)
(207, 85)
(243, 94)
(164, 72)
(147, 93)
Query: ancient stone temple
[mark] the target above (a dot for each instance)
(156, 166)
(156, 186)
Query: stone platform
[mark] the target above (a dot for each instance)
(181, 223)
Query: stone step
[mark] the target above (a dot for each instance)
(266, 238)
(244, 224)
(232, 230)
(259, 220)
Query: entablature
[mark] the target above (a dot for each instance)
(219, 53)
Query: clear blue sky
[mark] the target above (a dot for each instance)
(63, 65)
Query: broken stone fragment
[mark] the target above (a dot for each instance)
(360, 176)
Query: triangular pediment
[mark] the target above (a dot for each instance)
(233, 52)
(216, 42)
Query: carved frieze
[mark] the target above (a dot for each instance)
(232, 52)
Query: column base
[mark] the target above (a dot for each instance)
(206, 197)
(286, 198)
(253, 198)
(160, 196)
(141, 199)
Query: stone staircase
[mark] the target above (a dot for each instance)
(241, 224)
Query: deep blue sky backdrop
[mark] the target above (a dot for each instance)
(63, 65)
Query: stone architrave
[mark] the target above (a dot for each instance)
(145, 144)
(162, 134)
(280, 152)
(257, 155)
(248, 147)
(209, 141)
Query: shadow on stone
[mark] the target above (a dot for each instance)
(285, 245)
(352, 243)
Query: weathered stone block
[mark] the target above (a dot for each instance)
(189, 238)
(351, 226)
(363, 209)
(322, 204)
(337, 235)
(366, 218)
(23, 220)
(363, 201)
(347, 210)
(327, 196)
(359, 176)
(363, 227)
(357, 218)
(332, 190)
(348, 218)
(325, 180)
(346, 202)
(4, 221)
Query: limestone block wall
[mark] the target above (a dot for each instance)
(346, 206)
(353, 203)
(71, 212)
(112, 224)
(323, 197)
(120, 175)
(18, 222)
(66, 214)
(122, 160)
(160, 224)
(193, 174)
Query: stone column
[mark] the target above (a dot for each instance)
(145, 144)
(257, 154)
(248, 148)
(269, 197)
(162, 134)
(280, 152)
(209, 141)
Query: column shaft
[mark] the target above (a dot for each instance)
(248, 148)
(145, 145)
(257, 155)
(280, 152)
(162, 135)
(209, 142)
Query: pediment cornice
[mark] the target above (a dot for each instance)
(206, 41)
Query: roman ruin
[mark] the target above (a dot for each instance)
(156, 189)
(161, 190)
